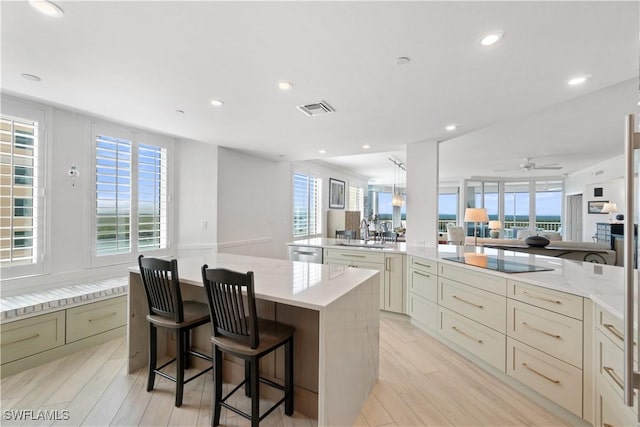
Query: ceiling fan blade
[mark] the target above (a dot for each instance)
(548, 167)
(507, 170)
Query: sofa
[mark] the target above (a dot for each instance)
(600, 253)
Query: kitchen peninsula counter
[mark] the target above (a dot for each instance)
(333, 308)
(601, 283)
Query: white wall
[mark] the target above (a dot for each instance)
(609, 175)
(254, 205)
(69, 209)
(196, 197)
(422, 193)
(326, 171)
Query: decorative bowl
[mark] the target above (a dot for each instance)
(536, 241)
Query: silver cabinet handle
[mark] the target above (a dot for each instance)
(614, 331)
(354, 256)
(541, 331)
(467, 302)
(422, 265)
(541, 374)
(103, 317)
(387, 264)
(541, 298)
(428, 276)
(21, 339)
(612, 373)
(466, 335)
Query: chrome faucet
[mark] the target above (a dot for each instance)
(364, 230)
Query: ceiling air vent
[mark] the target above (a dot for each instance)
(316, 109)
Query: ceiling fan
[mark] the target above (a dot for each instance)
(528, 166)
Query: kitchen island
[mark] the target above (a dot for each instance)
(334, 310)
(549, 327)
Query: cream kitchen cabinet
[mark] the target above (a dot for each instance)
(609, 359)
(422, 284)
(390, 265)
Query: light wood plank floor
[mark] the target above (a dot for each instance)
(421, 382)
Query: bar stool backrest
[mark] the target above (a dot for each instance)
(231, 315)
(162, 287)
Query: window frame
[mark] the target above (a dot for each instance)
(136, 138)
(24, 112)
(319, 203)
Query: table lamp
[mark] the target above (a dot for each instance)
(476, 215)
(495, 227)
(609, 208)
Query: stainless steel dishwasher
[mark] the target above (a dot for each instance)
(305, 253)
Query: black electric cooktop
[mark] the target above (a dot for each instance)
(493, 263)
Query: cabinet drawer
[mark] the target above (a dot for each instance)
(558, 302)
(91, 319)
(488, 282)
(424, 311)
(554, 334)
(613, 328)
(611, 410)
(423, 284)
(424, 265)
(477, 339)
(481, 306)
(364, 255)
(610, 367)
(30, 336)
(553, 378)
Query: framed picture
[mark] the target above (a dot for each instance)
(595, 206)
(336, 194)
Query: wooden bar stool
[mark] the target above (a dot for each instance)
(167, 310)
(237, 330)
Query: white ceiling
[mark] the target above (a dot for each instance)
(138, 62)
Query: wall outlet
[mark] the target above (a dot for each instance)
(204, 224)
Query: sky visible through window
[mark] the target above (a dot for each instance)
(548, 203)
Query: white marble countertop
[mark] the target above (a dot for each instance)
(300, 284)
(602, 283)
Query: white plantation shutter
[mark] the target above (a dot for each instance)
(20, 202)
(152, 197)
(307, 218)
(113, 195)
(356, 200)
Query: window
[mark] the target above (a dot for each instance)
(113, 195)
(549, 205)
(447, 209)
(356, 200)
(152, 196)
(306, 205)
(131, 193)
(21, 201)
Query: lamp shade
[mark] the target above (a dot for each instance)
(495, 225)
(476, 215)
(609, 208)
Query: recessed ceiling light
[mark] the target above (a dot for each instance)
(451, 128)
(322, 151)
(47, 8)
(31, 77)
(492, 38)
(366, 146)
(285, 85)
(578, 80)
(401, 60)
(216, 102)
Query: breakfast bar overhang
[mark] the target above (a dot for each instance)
(333, 308)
